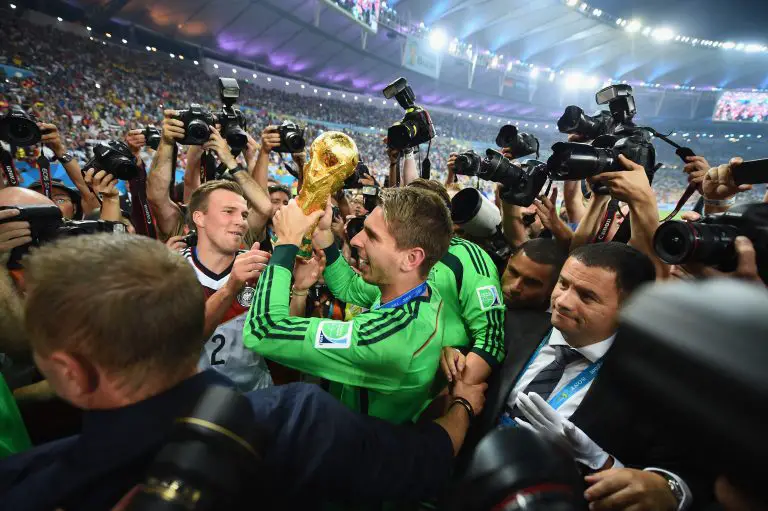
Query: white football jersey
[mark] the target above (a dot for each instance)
(224, 351)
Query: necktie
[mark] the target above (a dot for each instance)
(544, 383)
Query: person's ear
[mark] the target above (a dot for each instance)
(74, 378)
(413, 259)
(198, 218)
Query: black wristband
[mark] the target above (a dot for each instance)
(465, 404)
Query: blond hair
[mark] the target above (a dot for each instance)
(198, 201)
(125, 303)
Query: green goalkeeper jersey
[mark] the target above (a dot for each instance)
(382, 363)
(468, 283)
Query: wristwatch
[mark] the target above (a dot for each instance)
(66, 157)
(674, 487)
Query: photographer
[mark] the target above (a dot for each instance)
(104, 185)
(629, 186)
(133, 386)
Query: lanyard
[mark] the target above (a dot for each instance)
(583, 378)
(404, 298)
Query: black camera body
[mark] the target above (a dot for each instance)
(291, 138)
(416, 126)
(19, 129)
(198, 121)
(710, 241)
(520, 183)
(467, 163)
(521, 144)
(46, 225)
(152, 137)
(231, 119)
(115, 158)
(612, 133)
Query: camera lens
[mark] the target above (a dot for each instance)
(570, 161)
(197, 132)
(23, 132)
(497, 168)
(294, 141)
(678, 242)
(400, 134)
(467, 164)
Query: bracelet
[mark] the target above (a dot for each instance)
(295, 293)
(465, 404)
(723, 202)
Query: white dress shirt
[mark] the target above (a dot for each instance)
(546, 356)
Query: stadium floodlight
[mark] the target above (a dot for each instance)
(255, 75)
(107, 34)
(60, 19)
(13, 6)
(315, 90)
(148, 47)
(328, 93)
(633, 26)
(98, 86)
(355, 98)
(234, 71)
(173, 56)
(597, 13)
(369, 100)
(552, 76)
(87, 28)
(618, 21)
(754, 48)
(571, 3)
(216, 66)
(534, 72)
(663, 34)
(269, 79)
(438, 39)
(740, 46)
(287, 84)
(647, 31)
(125, 41)
(181, 57)
(583, 7)
(197, 63)
(729, 45)
(343, 96)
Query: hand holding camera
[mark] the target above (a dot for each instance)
(173, 128)
(718, 183)
(628, 187)
(176, 243)
(102, 182)
(52, 138)
(696, 168)
(135, 139)
(746, 266)
(270, 139)
(13, 234)
(218, 144)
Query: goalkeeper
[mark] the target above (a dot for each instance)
(383, 362)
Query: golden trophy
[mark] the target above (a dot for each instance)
(333, 157)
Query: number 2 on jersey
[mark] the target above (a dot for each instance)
(218, 338)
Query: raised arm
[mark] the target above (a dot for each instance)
(105, 184)
(192, 170)
(270, 138)
(166, 213)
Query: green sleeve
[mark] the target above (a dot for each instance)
(13, 433)
(366, 351)
(482, 306)
(345, 284)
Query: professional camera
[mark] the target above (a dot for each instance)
(416, 126)
(693, 354)
(231, 119)
(210, 460)
(520, 183)
(190, 239)
(46, 224)
(114, 157)
(613, 132)
(515, 469)
(370, 193)
(18, 128)
(521, 144)
(291, 138)
(152, 136)
(197, 122)
(710, 241)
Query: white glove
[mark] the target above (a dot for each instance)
(544, 418)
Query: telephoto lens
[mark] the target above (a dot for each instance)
(574, 120)
(18, 128)
(515, 469)
(115, 157)
(677, 242)
(495, 167)
(211, 461)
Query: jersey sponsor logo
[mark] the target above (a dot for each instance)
(245, 296)
(488, 296)
(334, 335)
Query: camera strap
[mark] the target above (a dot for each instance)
(141, 216)
(9, 168)
(692, 188)
(44, 166)
(174, 162)
(607, 222)
(207, 167)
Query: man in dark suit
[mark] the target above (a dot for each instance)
(550, 382)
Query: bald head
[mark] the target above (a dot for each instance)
(17, 196)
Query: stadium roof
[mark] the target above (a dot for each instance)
(536, 41)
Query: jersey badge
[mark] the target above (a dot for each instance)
(488, 297)
(245, 296)
(334, 335)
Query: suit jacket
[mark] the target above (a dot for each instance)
(630, 431)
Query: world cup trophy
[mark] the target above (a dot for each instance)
(333, 158)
